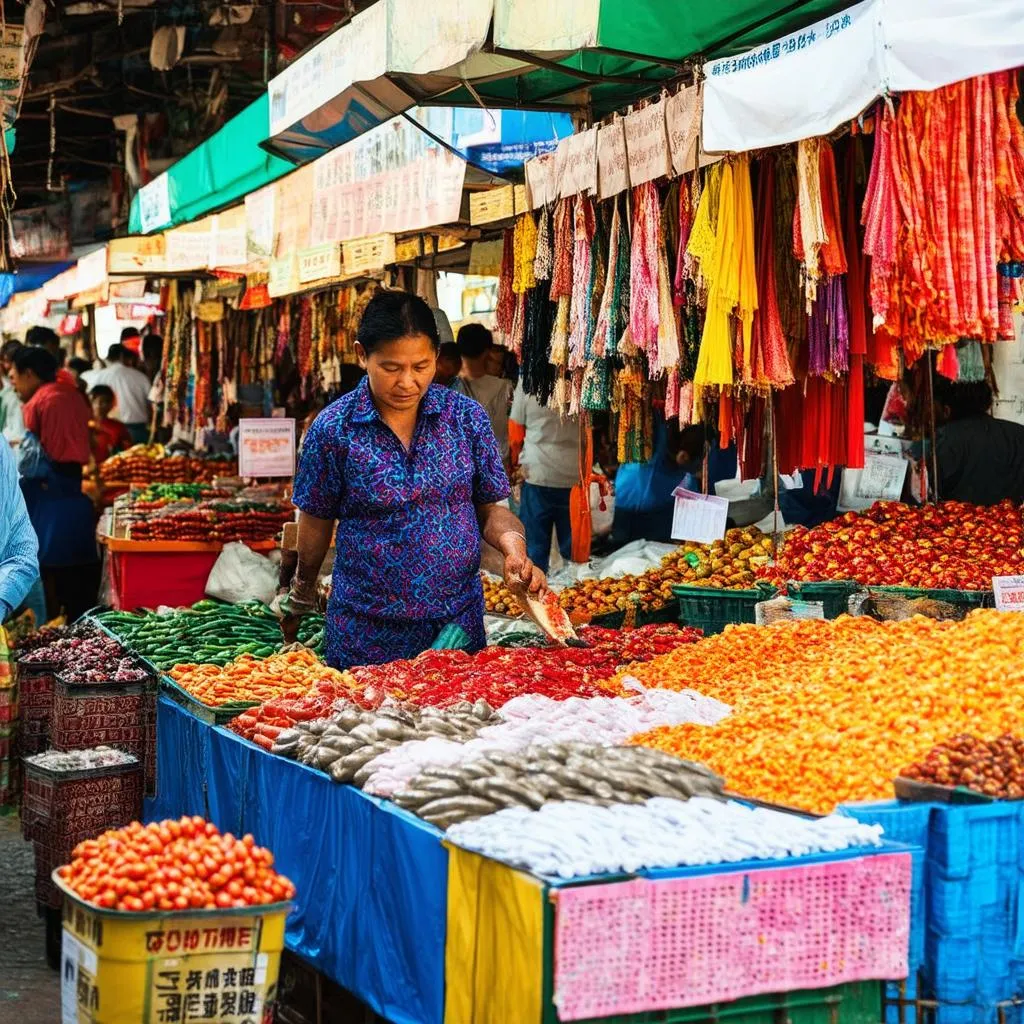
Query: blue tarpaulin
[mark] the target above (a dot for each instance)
(28, 279)
(371, 880)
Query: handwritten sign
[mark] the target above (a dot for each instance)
(266, 447)
(882, 477)
(491, 205)
(542, 180)
(12, 51)
(1009, 591)
(228, 247)
(577, 160)
(682, 120)
(188, 249)
(521, 202)
(136, 254)
(319, 262)
(699, 517)
(612, 162)
(647, 144)
(362, 255)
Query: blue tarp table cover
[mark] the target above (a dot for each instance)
(371, 880)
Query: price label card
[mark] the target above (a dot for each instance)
(1009, 591)
(266, 447)
(699, 517)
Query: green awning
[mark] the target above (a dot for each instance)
(220, 171)
(631, 45)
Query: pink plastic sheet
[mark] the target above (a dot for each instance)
(628, 947)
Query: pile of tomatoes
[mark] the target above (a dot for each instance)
(183, 864)
(953, 545)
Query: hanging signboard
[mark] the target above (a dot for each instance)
(188, 247)
(155, 204)
(491, 205)
(259, 224)
(576, 158)
(228, 247)
(541, 180)
(647, 144)
(682, 118)
(319, 262)
(612, 163)
(393, 179)
(139, 254)
(699, 517)
(284, 276)
(266, 447)
(1009, 592)
(362, 255)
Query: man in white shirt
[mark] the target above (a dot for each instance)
(493, 393)
(131, 389)
(545, 448)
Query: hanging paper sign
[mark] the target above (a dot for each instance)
(699, 517)
(882, 477)
(155, 204)
(135, 255)
(187, 249)
(266, 447)
(284, 276)
(259, 224)
(491, 205)
(520, 200)
(362, 255)
(1009, 591)
(647, 144)
(577, 161)
(682, 119)
(319, 262)
(447, 242)
(541, 180)
(612, 163)
(12, 52)
(228, 247)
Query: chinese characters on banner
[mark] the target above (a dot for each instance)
(266, 447)
(395, 178)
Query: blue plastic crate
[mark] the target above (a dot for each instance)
(963, 1013)
(953, 907)
(892, 993)
(953, 964)
(962, 839)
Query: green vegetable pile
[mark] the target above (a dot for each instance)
(210, 632)
(311, 633)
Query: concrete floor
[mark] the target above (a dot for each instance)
(29, 990)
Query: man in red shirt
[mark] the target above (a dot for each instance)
(57, 415)
(55, 412)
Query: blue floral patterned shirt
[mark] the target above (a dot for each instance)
(408, 542)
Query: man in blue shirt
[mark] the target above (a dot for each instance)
(19, 562)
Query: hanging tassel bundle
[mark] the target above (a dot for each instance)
(504, 311)
(584, 228)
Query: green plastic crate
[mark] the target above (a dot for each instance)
(857, 1002)
(833, 594)
(969, 599)
(712, 609)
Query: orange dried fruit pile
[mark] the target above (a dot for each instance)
(830, 712)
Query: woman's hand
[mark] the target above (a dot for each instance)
(520, 571)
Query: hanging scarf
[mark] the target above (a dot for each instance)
(505, 308)
(809, 234)
(542, 261)
(769, 360)
(643, 279)
(584, 228)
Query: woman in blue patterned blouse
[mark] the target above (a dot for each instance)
(412, 473)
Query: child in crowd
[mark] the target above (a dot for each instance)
(110, 435)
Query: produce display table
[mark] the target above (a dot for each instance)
(426, 934)
(371, 878)
(149, 573)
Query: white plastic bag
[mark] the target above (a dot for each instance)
(240, 574)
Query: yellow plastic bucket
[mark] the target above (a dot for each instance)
(169, 967)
